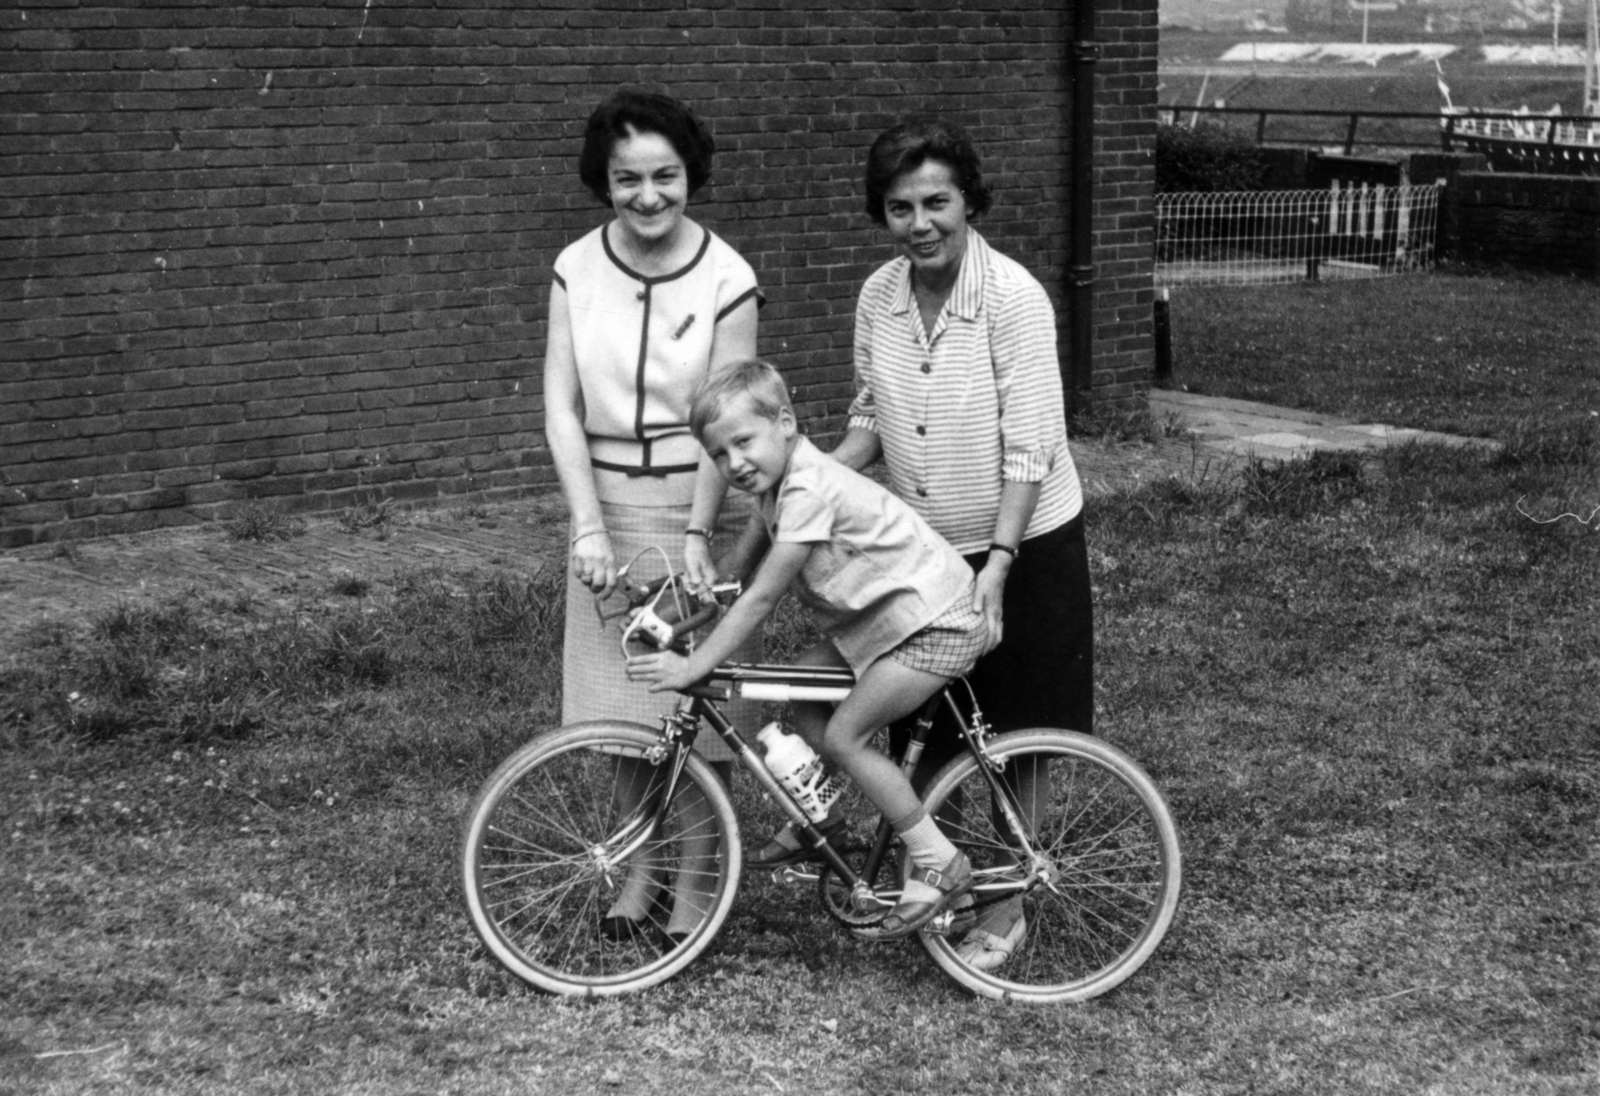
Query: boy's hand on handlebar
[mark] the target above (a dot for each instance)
(665, 670)
(699, 572)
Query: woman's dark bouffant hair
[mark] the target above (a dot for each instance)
(645, 112)
(911, 144)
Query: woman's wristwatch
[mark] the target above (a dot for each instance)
(1006, 548)
(696, 531)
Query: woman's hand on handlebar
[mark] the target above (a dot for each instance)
(664, 670)
(593, 563)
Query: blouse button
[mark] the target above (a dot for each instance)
(926, 368)
(922, 431)
(922, 491)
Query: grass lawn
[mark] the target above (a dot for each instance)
(1462, 352)
(1368, 690)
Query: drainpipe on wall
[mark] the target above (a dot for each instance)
(1084, 52)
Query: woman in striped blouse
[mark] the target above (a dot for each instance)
(958, 391)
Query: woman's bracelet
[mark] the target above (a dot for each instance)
(696, 531)
(580, 536)
(1006, 548)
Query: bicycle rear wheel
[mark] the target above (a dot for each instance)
(1106, 883)
(540, 869)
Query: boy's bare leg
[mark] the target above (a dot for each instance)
(885, 692)
(810, 716)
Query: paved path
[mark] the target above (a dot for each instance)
(69, 581)
(1247, 429)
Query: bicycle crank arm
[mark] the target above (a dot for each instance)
(946, 922)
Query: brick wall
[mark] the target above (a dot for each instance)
(1542, 222)
(1125, 204)
(300, 250)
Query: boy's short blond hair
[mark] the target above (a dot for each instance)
(752, 377)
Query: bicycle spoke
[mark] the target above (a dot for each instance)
(536, 845)
(1102, 890)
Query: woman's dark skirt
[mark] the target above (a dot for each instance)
(1042, 674)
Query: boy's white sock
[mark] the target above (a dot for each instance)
(928, 847)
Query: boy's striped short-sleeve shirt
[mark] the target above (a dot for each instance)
(977, 403)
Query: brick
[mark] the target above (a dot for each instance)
(360, 265)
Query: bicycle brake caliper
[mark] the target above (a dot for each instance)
(980, 733)
(677, 727)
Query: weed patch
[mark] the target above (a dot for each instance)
(194, 671)
(262, 521)
(1317, 483)
(368, 515)
(1532, 444)
(1119, 426)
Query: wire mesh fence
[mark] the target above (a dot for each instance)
(1350, 230)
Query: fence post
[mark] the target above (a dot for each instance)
(1163, 340)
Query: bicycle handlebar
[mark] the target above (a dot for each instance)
(643, 622)
(703, 615)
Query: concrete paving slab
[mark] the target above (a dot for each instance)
(1223, 408)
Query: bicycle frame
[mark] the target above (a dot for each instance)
(568, 894)
(789, 683)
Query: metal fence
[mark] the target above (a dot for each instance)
(1350, 230)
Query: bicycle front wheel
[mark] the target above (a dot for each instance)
(545, 859)
(1102, 886)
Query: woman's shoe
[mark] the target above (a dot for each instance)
(951, 881)
(985, 950)
(776, 854)
(621, 929)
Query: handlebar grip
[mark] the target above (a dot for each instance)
(655, 585)
(703, 615)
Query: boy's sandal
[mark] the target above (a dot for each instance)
(775, 854)
(982, 950)
(951, 881)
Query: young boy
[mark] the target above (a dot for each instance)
(893, 597)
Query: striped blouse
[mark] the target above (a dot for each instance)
(977, 403)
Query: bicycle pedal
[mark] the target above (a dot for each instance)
(794, 875)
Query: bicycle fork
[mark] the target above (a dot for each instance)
(647, 821)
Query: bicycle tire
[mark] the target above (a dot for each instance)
(1108, 833)
(535, 888)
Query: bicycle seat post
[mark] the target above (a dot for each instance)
(920, 734)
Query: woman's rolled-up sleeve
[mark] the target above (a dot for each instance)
(1028, 378)
(863, 409)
